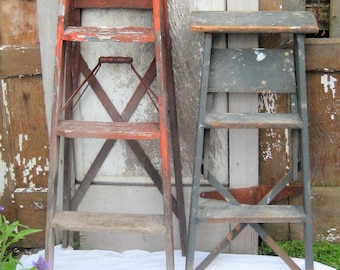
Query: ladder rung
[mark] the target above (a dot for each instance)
(252, 214)
(119, 34)
(135, 4)
(108, 130)
(77, 221)
(256, 120)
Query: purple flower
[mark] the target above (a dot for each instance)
(41, 264)
(1, 208)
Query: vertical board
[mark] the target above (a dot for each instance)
(334, 31)
(18, 22)
(25, 127)
(243, 144)
(274, 152)
(323, 75)
(23, 133)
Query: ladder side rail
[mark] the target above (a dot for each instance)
(304, 141)
(58, 89)
(174, 130)
(198, 153)
(160, 55)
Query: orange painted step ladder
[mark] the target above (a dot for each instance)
(66, 128)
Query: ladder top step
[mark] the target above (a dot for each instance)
(108, 130)
(76, 221)
(252, 214)
(254, 22)
(118, 34)
(136, 4)
(255, 120)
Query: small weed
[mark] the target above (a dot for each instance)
(324, 252)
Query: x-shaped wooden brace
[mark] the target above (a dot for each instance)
(134, 145)
(257, 227)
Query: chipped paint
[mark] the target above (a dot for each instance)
(328, 82)
(30, 166)
(4, 99)
(268, 104)
(260, 54)
(331, 235)
(329, 85)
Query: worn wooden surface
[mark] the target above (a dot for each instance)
(23, 132)
(19, 61)
(108, 222)
(249, 22)
(120, 34)
(23, 124)
(326, 216)
(252, 214)
(243, 144)
(108, 130)
(324, 110)
(334, 27)
(18, 22)
(142, 4)
(261, 67)
(30, 206)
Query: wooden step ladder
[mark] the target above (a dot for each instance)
(66, 127)
(250, 71)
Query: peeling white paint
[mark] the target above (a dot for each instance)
(260, 54)
(4, 99)
(330, 236)
(268, 102)
(328, 82)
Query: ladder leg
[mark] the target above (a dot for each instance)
(174, 135)
(167, 194)
(304, 150)
(198, 155)
(50, 237)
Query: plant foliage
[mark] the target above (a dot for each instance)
(324, 252)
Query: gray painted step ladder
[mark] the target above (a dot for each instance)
(66, 128)
(249, 71)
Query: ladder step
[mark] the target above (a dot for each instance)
(252, 214)
(119, 34)
(108, 130)
(254, 22)
(89, 222)
(256, 120)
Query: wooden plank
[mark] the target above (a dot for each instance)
(261, 67)
(138, 4)
(108, 130)
(334, 31)
(326, 217)
(30, 205)
(254, 22)
(243, 144)
(19, 61)
(18, 22)
(248, 120)
(24, 123)
(324, 109)
(84, 222)
(122, 34)
(252, 214)
(324, 127)
(321, 55)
